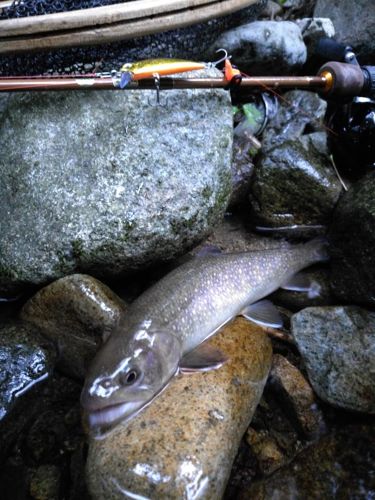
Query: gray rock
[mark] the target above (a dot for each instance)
(352, 239)
(104, 182)
(76, 313)
(344, 15)
(183, 444)
(265, 47)
(294, 186)
(338, 347)
(340, 465)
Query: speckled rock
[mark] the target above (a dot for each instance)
(183, 444)
(340, 465)
(26, 361)
(343, 14)
(352, 239)
(76, 312)
(296, 396)
(338, 347)
(104, 182)
(265, 47)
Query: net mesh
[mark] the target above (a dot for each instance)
(24, 8)
(192, 42)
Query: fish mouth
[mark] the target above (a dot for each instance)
(100, 421)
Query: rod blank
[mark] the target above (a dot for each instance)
(13, 84)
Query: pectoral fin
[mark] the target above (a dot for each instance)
(263, 313)
(300, 282)
(202, 359)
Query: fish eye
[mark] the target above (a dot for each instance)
(129, 378)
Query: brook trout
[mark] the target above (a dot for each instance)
(162, 331)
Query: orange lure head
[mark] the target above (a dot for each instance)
(231, 74)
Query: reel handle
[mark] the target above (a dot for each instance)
(346, 80)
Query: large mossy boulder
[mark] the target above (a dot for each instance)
(107, 182)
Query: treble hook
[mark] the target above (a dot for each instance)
(215, 63)
(157, 87)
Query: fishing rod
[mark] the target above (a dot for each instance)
(99, 82)
(334, 80)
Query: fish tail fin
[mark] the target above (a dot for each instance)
(318, 249)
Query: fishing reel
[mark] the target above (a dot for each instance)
(350, 112)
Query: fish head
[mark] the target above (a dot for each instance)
(125, 375)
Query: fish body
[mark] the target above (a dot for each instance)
(147, 68)
(163, 327)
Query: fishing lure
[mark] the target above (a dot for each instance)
(153, 68)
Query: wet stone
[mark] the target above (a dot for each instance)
(296, 396)
(294, 185)
(338, 346)
(340, 465)
(76, 313)
(26, 362)
(269, 455)
(183, 444)
(295, 188)
(352, 239)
